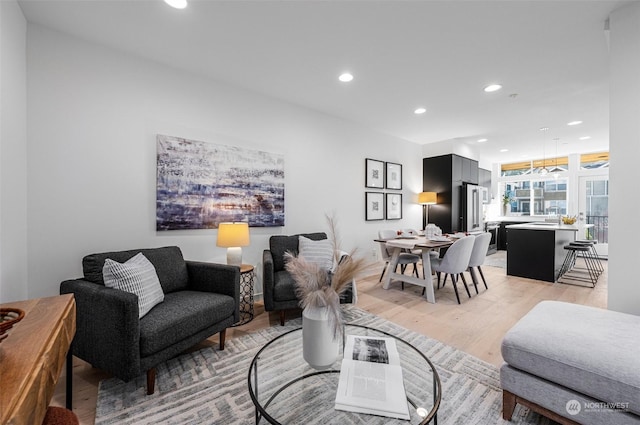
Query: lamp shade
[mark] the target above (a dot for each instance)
(233, 234)
(427, 198)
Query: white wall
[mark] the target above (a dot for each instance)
(624, 203)
(93, 115)
(13, 153)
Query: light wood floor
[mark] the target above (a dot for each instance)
(476, 326)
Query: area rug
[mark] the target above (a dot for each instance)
(210, 386)
(497, 259)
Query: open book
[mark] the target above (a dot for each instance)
(371, 378)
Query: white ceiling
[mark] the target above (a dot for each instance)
(552, 55)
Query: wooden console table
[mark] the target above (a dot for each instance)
(31, 357)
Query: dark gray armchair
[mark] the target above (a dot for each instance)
(200, 299)
(278, 285)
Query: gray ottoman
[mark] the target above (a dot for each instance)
(573, 364)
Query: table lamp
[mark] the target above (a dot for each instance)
(233, 236)
(424, 199)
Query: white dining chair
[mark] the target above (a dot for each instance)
(404, 259)
(454, 262)
(478, 255)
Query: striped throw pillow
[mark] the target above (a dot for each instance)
(138, 276)
(318, 252)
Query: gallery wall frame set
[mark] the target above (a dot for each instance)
(383, 175)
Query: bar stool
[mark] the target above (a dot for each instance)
(591, 243)
(569, 269)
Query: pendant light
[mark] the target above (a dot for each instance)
(543, 171)
(555, 170)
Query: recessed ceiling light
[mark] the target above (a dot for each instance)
(482, 140)
(178, 4)
(585, 137)
(504, 150)
(345, 77)
(543, 128)
(574, 123)
(492, 87)
(419, 111)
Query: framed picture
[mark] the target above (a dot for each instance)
(374, 206)
(374, 173)
(393, 175)
(394, 206)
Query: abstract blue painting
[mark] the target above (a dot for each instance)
(200, 185)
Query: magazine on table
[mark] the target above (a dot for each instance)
(371, 378)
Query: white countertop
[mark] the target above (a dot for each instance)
(541, 225)
(516, 218)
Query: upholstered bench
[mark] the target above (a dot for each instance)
(573, 364)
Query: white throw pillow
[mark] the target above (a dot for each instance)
(138, 276)
(318, 252)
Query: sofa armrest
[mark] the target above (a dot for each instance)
(107, 327)
(268, 280)
(214, 277)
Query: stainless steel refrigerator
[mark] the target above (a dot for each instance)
(472, 214)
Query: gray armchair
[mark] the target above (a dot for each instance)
(278, 285)
(200, 299)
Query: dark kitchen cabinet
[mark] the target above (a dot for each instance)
(502, 234)
(445, 175)
(484, 180)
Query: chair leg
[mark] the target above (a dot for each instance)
(415, 270)
(474, 279)
(223, 335)
(455, 287)
(281, 317)
(483, 279)
(465, 284)
(151, 381)
(384, 269)
(444, 281)
(438, 274)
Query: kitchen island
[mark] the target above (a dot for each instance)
(536, 250)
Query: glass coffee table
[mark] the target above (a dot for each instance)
(286, 390)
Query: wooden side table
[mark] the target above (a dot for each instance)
(31, 357)
(246, 294)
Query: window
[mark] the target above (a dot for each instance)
(548, 197)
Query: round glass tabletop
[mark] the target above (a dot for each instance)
(286, 390)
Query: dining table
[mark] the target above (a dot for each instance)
(411, 243)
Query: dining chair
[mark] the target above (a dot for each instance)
(454, 262)
(404, 259)
(478, 255)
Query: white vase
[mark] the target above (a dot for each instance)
(319, 348)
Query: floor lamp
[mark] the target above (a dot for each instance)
(425, 199)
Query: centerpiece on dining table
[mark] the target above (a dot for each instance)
(319, 284)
